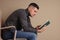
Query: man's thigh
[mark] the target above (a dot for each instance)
(21, 34)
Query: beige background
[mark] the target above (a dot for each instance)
(49, 10)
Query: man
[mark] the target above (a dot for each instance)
(20, 19)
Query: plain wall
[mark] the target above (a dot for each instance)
(49, 10)
(0, 20)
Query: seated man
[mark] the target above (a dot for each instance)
(20, 19)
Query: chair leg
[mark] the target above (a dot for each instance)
(15, 34)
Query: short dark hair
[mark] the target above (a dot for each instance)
(34, 4)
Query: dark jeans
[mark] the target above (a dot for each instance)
(20, 34)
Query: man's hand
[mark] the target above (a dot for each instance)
(40, 30)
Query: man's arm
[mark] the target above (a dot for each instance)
(24, 23)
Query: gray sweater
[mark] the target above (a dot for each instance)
(20, 19)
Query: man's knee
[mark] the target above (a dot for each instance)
(33, 35)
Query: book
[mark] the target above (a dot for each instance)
(44, 25)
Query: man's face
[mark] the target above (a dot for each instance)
(32, 10)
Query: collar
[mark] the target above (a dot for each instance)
(27, 12)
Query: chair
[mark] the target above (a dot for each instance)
(7, 28)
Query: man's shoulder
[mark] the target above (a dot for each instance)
(20, 10)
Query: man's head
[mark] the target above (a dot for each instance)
(33, 8)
